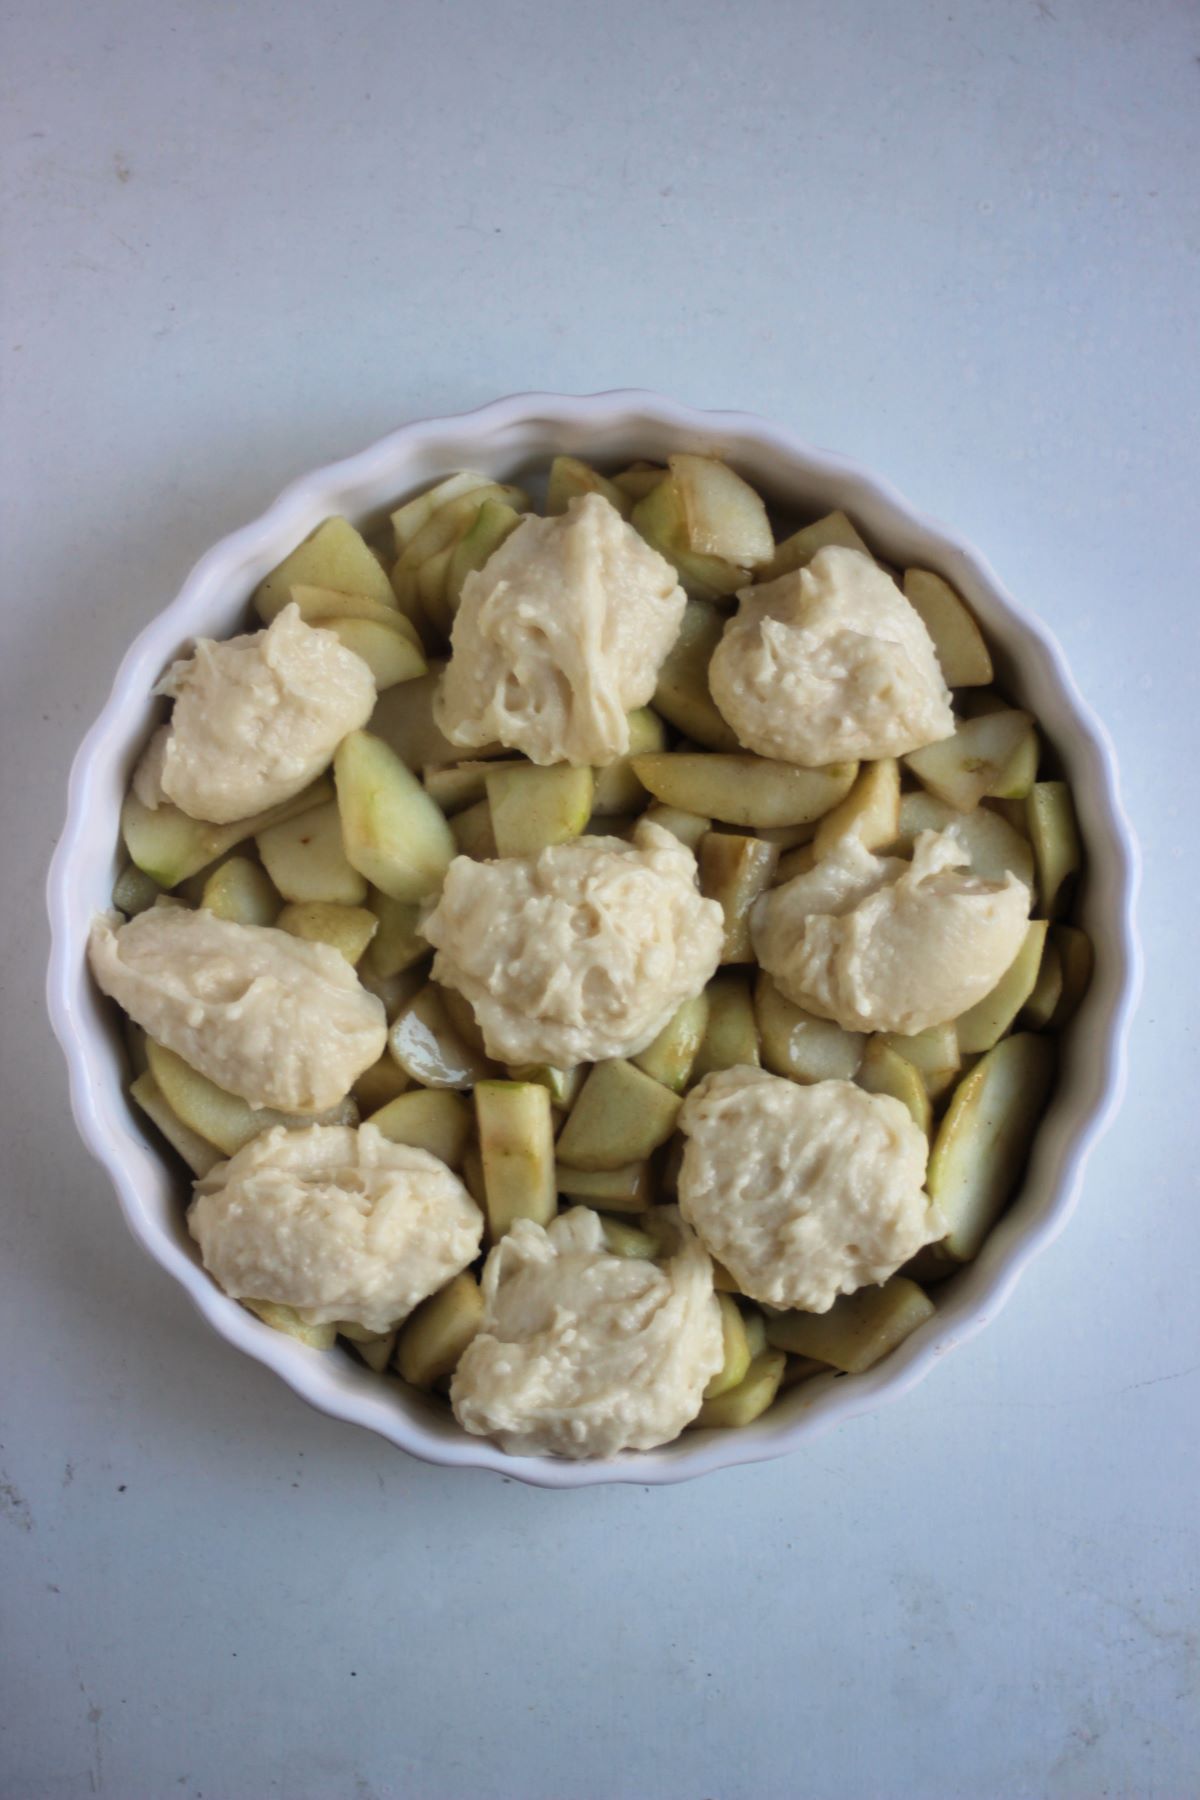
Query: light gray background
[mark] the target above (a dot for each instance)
(958, 241)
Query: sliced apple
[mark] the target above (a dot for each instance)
(870, 812)
(621, 1116)
(533, 808)
(985, 1023)
(393, 833)
(1057, 849)
(885, 1071)
(992, 845)
(516, 1145)
(682, 695)
(169, 846)
(731, 1034)
(628, 1189)
(962, 654)
(744, 790)
(742, 1404)
(436, 1120)
(797, 551)
(335, 556)
(662, 520)
(387, 649)
(422, 1039)
(570, 479)
(737, 1349)
(734, 871)
(241, 890)
(797, 1044)
(222, 1118)
(965, 768)
(347, 929)
(408, 519)
(492, 525)
(199, 1155)
(433, 1338)
(723, 515)
(983, 1141)
(671, 1056)
(858, 1330)
(306, 859)
(472, 832)
(618, 789)
(688, 827)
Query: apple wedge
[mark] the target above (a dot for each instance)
(516, 1145)
(347, 929)
(983, 1141)
(436, 1120)
(744, 790)
(723, 515)
(306, 859)
(570, 479)
(797, 1044)
(858, 1330)
(433, 1338)
(964, 769)
(621, 1116)
(533, 807)
(393, 833)
(335, 556)
(797, 551)
(870, 812)
(962, 654)
(682, 695)
(169, 846)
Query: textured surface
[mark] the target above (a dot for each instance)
(959, 243)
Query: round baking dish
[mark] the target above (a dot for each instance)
(504, 439)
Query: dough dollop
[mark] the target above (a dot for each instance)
(336, 1222)
(584, 1353)
(580, 953)
(880, 944)
(558, 636)
(830, 663)
(278, 1020)
(256, 718)
(804, 1193)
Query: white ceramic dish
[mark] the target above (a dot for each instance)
(505, 439)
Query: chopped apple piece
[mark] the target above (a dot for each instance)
(682, 695)
(169, 846)
(222, 1118)
(516, 1144)
(737, 1349)
(1045, 997)
(533, 807)
(288, 1320)
(639, 479)
(570, 479)
(962, 654)
(388, 651)
(985, 1023)
(742, 1404)
(731, 1035)
(623, 1239)
(735, 871)
(348, 929)
(492, 525)
(797, 551)
(870, 812)
(397, 945)
(621, 1115)
(408, 519)
(134, 891)
(199, 1155)
(562, 1085)
(797, 1044)
(688, 827)
(306, 860)
(934, 1054)
(723, 515)
(965, 768)
(240, 890)
(744, 790)
(662, 520)
(385, 1080)
(618, 789)
(1077, 957)
(472, 832)
(858, 1330)
(993, 847)
(436, 1120)
(433, 1338)
(335, 556)
(460, 785)
(403, 718)
(394, 835)
(983, 1141)
(628, 1189)
(885, 1071)
(670, 1057)
(427, 1047)
(1054, 834)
